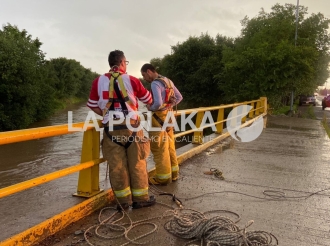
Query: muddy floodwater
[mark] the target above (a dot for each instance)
(27, 160)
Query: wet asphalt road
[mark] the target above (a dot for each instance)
(317, 109)
(291, 156)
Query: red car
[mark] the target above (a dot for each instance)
(326, 102)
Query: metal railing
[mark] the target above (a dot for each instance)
(88, 182)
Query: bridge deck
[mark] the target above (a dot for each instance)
(291, 155)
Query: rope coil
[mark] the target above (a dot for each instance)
(187, 224)
(218, 230)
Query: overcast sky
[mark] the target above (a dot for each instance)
(87, 30)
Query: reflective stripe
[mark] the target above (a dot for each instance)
(111, 87)
(140, 192)
(169, 92)
(122, 89)
(124, 94)
(175, 168)
(123, 193)
(164, 176)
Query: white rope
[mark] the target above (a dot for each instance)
(215, 231)
(186, 224)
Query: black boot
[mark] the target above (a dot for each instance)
(150, 202)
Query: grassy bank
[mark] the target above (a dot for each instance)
(283, 110)
(309, 114)
(326, 125)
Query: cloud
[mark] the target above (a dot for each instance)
(88, 30)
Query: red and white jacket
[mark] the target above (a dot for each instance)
(99, 95)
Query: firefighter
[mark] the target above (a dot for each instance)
(165, 96)
(114, 96)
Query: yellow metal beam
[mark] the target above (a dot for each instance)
(193, 110)
(36, 133)
(198, 135)
(243, 120)
(60, 221)
(263, 104)
(258, 107)
(220, 118)
(198, 149)
(46, 178)
(88, 182)
(251, 113)
(53, 225)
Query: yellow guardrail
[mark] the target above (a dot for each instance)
(88, 181)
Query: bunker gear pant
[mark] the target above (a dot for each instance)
(163, 149)
(127, 167)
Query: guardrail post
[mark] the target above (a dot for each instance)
(243, 120)
(251, 113)
(257, 111)
(220, 117)
(264, 109)
(88, 182)
(198, 136)
(263, 104)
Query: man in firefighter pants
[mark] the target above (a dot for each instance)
(165, 96)
(114, 96)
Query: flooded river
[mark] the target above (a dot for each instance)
(26, 160)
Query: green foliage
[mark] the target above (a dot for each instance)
(71, 78)
(192, 66)
(21, 68)
(281, 110)
(30, 86)
(86, 81)
(266, 62)
(309, 114)
(326, 124)
(157, 63)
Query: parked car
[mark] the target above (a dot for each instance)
(307, 99)
(326, 102)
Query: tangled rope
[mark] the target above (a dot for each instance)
(194, 225)
(184, 223)
(215, 231)
(111, 224)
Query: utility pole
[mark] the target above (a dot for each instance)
(295, 44)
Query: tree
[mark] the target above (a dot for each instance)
(72, 79)
(266, 62)
(21, 63)
(30, 86)
(69, 74)
(193, 65)
(85, 84)
(157, 63)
